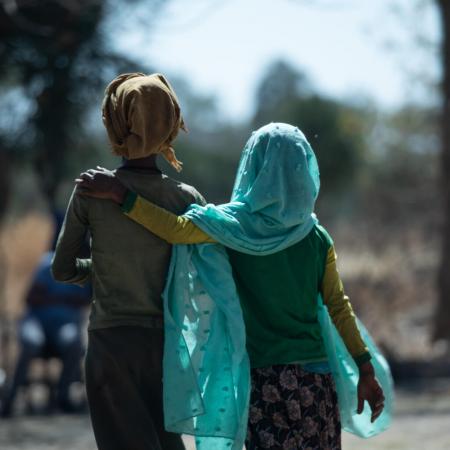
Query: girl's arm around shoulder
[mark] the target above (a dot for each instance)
(174, 229)
(166, 225)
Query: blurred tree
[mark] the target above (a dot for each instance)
(55, 58)
(442, 317)
(280, 86)
(400, 176)
(335, 130)
(58, 52)
(211, 150)
(210, 161)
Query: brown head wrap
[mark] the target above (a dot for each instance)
(142, 116)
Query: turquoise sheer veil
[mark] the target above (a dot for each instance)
(278, 176)
(272, 204)
(206, 368)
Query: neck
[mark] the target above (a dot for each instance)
(148, 162)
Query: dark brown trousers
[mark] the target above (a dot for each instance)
(124, 389)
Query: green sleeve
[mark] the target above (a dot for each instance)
(66, 267)
(341, 311)
(166, 225)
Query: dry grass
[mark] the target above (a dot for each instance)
(390, 276)
(22, 243)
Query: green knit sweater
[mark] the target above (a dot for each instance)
(128, 265)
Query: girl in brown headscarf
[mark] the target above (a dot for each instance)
(125, 346)
(142, 116)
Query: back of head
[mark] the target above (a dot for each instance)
(142, 116)
(278, 175)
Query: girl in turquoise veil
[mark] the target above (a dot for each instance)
(283, 268)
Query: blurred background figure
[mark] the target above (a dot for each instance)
(51, 327)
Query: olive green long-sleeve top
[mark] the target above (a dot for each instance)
(128, 265)
(180, 230)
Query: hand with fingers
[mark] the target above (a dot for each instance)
(369, 390)
(101, 183)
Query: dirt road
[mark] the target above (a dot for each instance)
(422, 421)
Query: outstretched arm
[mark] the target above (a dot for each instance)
(102, 183)
(341, 312)
(168, 226)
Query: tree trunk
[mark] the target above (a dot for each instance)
(442, 318)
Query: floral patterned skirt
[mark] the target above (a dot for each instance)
(293, 409)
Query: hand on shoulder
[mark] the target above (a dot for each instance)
(101, 183)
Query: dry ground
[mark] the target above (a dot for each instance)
(422, 421)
